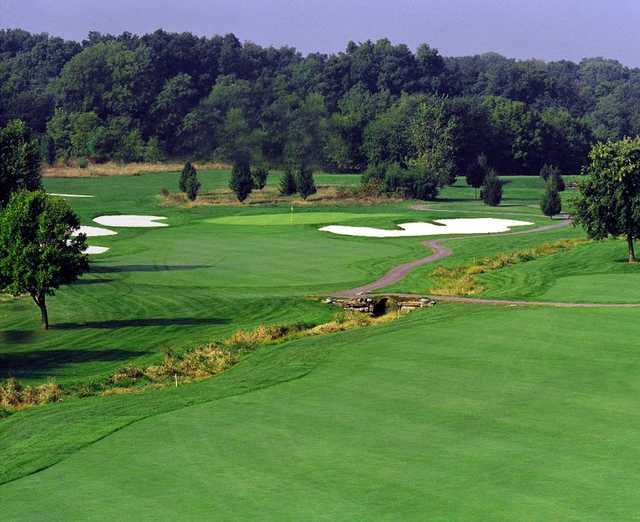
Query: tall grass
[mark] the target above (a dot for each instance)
(199, 363)
(122, 169)
(462, 281)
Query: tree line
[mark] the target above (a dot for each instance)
(375, 106)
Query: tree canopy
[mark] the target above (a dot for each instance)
(19, 160)
(608, 202)
(38, 248)
(133, 98)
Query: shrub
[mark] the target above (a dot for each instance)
(14, 396)
(83, 163)
(371, 188)
(375, 172)
(411, 183)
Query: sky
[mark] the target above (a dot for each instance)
(543, 29)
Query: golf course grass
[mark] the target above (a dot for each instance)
(437, 416)
(456, 412)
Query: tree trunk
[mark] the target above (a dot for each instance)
(631, 250)
(40, 300)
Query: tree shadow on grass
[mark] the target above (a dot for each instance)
(93, 281)
(16, 336)
(96, 269)
(125, 323)
(40, 362)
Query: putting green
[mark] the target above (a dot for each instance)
(297, 218)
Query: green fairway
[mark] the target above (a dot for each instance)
(459, 412)
(455, 414)
(180, 286)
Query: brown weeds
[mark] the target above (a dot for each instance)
(461, 281)
(200, 363)
(14, 396)
(121, 169)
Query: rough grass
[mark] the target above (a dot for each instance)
(121, 169)
(463, 280)
(198, 363)
(452, 413)
(456, 412)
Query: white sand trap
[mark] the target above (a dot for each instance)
(96, 250)
(71, 195)
(446, 226)
(94, 231)
(130, 221)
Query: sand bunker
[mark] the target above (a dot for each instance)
(94, 231)
(71, 195)
(130, 221)
(444, 226)
(96, 250)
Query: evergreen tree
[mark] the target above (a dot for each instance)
(241, 182)
(192, 186)
(548, 171)
(491, 191)
(305, 182)
(187, 172)
(288, 185)
(550, 204)
(259, 175)
(559, 182)
(552, 172)
(476, 172)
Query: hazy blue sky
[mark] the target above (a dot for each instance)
(548, 29)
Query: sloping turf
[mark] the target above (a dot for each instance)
(453, 413)
(456, 413)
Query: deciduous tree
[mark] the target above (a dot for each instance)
(19, 160)
(38, 250)
(608, 201)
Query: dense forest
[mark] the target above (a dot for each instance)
(165, 95)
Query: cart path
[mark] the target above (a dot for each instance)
(397, 273)
(511, 302)
(440, 252)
